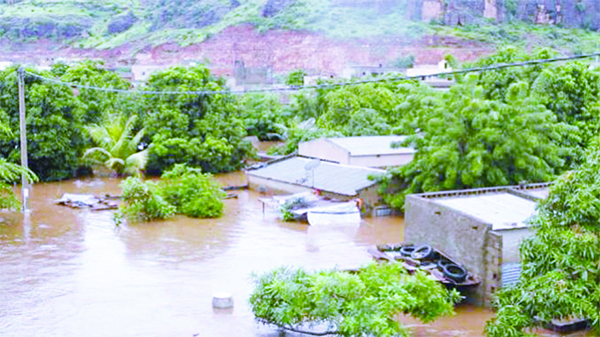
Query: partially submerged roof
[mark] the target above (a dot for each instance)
(329, 177)
(371, 145)
(502, 210)
(505, 207)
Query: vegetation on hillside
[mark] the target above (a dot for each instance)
(106, 24)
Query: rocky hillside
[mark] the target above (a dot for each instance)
(314, 34)
(111, 23)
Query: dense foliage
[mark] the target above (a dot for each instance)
(262, 114)
(142, 201)
(561, 262)
(365, 303)
(469, 141)
(192, 193)
(11, 173)
(54, 125)
(204, 131)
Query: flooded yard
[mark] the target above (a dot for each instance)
(68, 272)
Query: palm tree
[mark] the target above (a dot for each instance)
(116, 149)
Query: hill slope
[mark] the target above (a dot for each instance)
(105, 24)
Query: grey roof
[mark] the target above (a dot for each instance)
(371, 145)
(502, 210)
(330, 177)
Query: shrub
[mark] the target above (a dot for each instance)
(192, 193)
(143, 201)
(351, 304)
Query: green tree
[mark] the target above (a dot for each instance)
(561, 262)
(295, 77)
(117, 149)
(469, 141)
(262, 113)
(11, 173)
(192, 193)
(99, 103)
(142, 201)
(203, 131)
(365, 303)
(54, 125)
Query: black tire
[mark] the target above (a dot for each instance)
(455, 272)
(423, 252)
(442, 263)
(407, 250)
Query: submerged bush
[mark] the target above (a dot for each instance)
(143, 201)
(192, 193)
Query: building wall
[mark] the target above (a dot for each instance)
(493, 260)
(381, 160)
(512, 239)
(457, 235)
(323, 149)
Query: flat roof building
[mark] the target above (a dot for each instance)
(480, 228)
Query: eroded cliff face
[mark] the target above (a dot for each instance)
(567, 13)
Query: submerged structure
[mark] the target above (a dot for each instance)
(298, 174)
(481, 228)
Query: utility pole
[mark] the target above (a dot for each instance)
(24, 164)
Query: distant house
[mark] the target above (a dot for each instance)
(369, 71)
(426, 73)
(369, 151)
(299, 174)
(479, 228)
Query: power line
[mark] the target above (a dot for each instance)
(318, 86)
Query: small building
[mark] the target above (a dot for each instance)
(295, 174)
(369, 151)
(480, 228)
(370, 71)
(426, 73)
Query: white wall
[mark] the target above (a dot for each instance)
(511, 239)
(323, 149)
(381, 160)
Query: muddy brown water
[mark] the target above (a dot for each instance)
(66, 272)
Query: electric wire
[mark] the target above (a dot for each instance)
(317, 86)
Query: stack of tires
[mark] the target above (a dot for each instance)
(430, 259)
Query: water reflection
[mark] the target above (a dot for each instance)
(74, 273)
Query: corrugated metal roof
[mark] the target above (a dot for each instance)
(330, 177)
(371, 145)
(503, 210)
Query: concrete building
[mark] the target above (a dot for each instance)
(299, 174)
(369, 151)
(481, 229)
(425, 73)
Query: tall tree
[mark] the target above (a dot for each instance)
(470, 141)
(561, 262)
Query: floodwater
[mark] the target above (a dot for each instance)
(66, 272)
